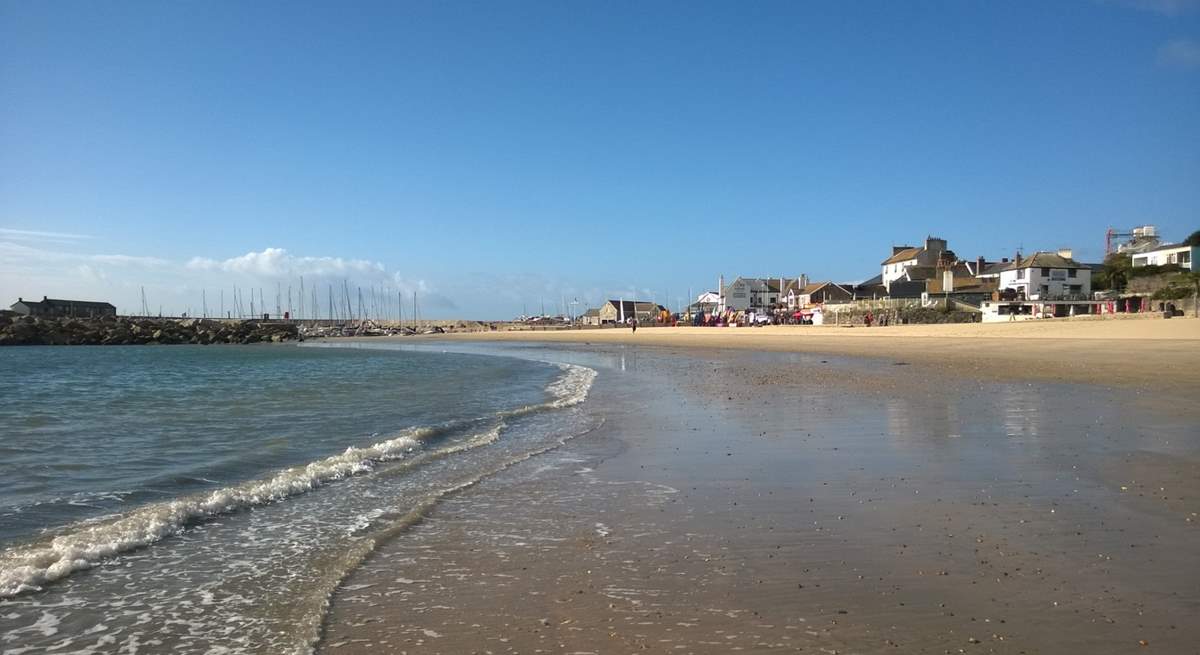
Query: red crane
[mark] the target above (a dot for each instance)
(1110, 236)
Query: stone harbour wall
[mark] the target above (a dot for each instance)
(118, 331)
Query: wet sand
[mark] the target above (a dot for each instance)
(742, 501)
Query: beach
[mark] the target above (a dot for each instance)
(912, 489)
(1141, 353)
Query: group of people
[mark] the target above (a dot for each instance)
(882, 320)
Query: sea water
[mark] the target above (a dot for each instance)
(210, 499)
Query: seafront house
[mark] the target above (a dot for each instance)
(1043, 285)
(590, 317)
(751, 294)
(816, 293)
(618, 311)
(55, 308)
(708, 302)
(1179, 254)
(1047, 276)
(904, 257)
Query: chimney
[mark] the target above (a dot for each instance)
(1065, 253)
(947, 281)
(979, 265)
(934, 244)
(803, 281)
(1004, 260)
(896, 249)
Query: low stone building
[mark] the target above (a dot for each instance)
(616, 311)
(55, 308)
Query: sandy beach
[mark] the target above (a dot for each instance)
(1139, 353)
(757, 497)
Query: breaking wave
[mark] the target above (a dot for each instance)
(28, 568)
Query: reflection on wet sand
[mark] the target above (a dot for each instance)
(740, 501)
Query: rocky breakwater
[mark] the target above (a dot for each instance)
(115, 331)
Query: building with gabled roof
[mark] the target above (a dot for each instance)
(816, 293)
(1046, 275)
(751, 294)
(618, 311)
(905, 257)
(57, 308)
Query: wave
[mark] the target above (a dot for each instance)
(28, 568)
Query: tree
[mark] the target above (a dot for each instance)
(1114, 274)
(1193, 239)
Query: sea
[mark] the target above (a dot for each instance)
(193, 499)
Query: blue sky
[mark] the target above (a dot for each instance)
(497, 155)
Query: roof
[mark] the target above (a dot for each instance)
(772, 284)
(917, 273)
(592, 312)
(636, 305)
(963, 284)
(791, 285)
(1169, 246)
(903, 256)
(57, 302)
(1044, 260)
(813, 288)
(993, 268)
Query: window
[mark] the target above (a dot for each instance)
(1185, 257)
(1045, 272)
(1020, 274)
(1076, 288)
(1071, 272)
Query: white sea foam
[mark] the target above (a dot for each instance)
(27, 568)
(570, 388)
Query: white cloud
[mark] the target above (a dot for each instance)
(35, 235)
(277, 262)
(1180, 53)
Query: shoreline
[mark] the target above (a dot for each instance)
(1155, 355)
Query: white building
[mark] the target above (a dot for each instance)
(1047, 276)
(1175, 253)
(750, 294)
(904, 257)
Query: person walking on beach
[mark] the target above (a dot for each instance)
(633, 323)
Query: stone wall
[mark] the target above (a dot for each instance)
(30, 331)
